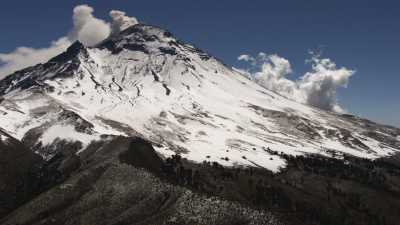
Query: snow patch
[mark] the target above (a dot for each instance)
(67, 132)
(3, 138)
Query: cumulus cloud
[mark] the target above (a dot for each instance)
(318, 87)
(86, 28)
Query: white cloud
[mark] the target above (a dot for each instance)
(23, 57)
(270, 71)
(318, 87)
(87, 29)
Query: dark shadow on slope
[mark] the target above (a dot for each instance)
(19, 170)
(311, 190)
(107, 190)
(142, 155)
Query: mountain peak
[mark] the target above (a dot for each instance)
(33, 76)
(136, 38)
(144, 82)
(70, 53)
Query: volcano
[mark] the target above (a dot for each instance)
(84, 107)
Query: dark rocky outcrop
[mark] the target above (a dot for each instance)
(71, 52)
(19, 170)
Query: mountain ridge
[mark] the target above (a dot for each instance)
(145, 82)
(145, 129)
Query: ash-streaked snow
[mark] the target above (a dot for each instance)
(143, 82)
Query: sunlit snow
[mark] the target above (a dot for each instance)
(184, 101)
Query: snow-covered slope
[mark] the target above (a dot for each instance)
(144, 82)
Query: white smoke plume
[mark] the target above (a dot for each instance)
(120, 21)
(86, 28)
(318, 87)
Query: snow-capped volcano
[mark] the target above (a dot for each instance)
(144, 82)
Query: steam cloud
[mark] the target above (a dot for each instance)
(318, 87)
(121, 21)
(86, 28)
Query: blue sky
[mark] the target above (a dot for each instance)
(360, 35)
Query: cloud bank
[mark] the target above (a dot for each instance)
(86, 28)
(317, 88)
(23, 57)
